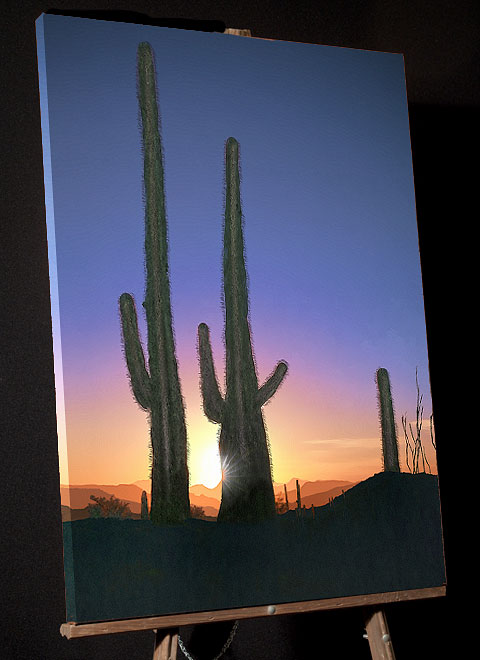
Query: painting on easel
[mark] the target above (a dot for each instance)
(243, 404)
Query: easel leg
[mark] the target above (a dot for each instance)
(166, 641)
(378, 635)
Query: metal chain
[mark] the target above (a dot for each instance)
(224, 647)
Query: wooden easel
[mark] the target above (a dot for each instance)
(378, 636)
(166, 627)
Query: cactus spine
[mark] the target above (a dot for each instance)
(387, 422)
(157, 390)
(247, 489)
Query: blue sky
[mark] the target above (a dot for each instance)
(328, 203)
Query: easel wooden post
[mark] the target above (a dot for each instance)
(378, 634)
(166, 642)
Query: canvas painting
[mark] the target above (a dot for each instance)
(243, 403)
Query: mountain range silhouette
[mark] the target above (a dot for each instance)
(76, 498)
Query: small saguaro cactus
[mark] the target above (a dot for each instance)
(144, 508)
(157, 390)
(299, 497)
(247, 489)
(286, 496)
(387, 422)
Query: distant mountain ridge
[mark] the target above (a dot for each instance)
(201, 490)
(78, 497)
(316, 493)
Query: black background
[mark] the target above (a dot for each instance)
(441, 44)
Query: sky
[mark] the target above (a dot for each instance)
(330, 239)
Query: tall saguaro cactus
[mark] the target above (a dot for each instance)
(247, 489)
(387, 422)
(157, 389)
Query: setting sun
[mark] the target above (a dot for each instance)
(208, 468)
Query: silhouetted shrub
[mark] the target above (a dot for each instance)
(108, 508)
(197, 512)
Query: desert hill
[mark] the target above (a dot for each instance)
(383, 535)
(317, 492)
(319, 499)
(314, 487)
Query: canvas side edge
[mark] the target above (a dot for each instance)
(55, 308)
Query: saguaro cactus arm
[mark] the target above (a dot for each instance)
(213, 403)
(272, 383)
(139, 378)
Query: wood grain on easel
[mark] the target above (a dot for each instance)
(378, 635)
(238, 32)
(166, 641)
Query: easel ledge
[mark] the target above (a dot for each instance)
(73, 630)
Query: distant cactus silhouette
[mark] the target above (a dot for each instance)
(247, 489)
(286, 496)
(157, 390)
(299, 498)
(387, 422)
(144, 509)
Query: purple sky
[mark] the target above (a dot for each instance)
(330, 227)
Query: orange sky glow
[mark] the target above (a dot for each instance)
(313, 433)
